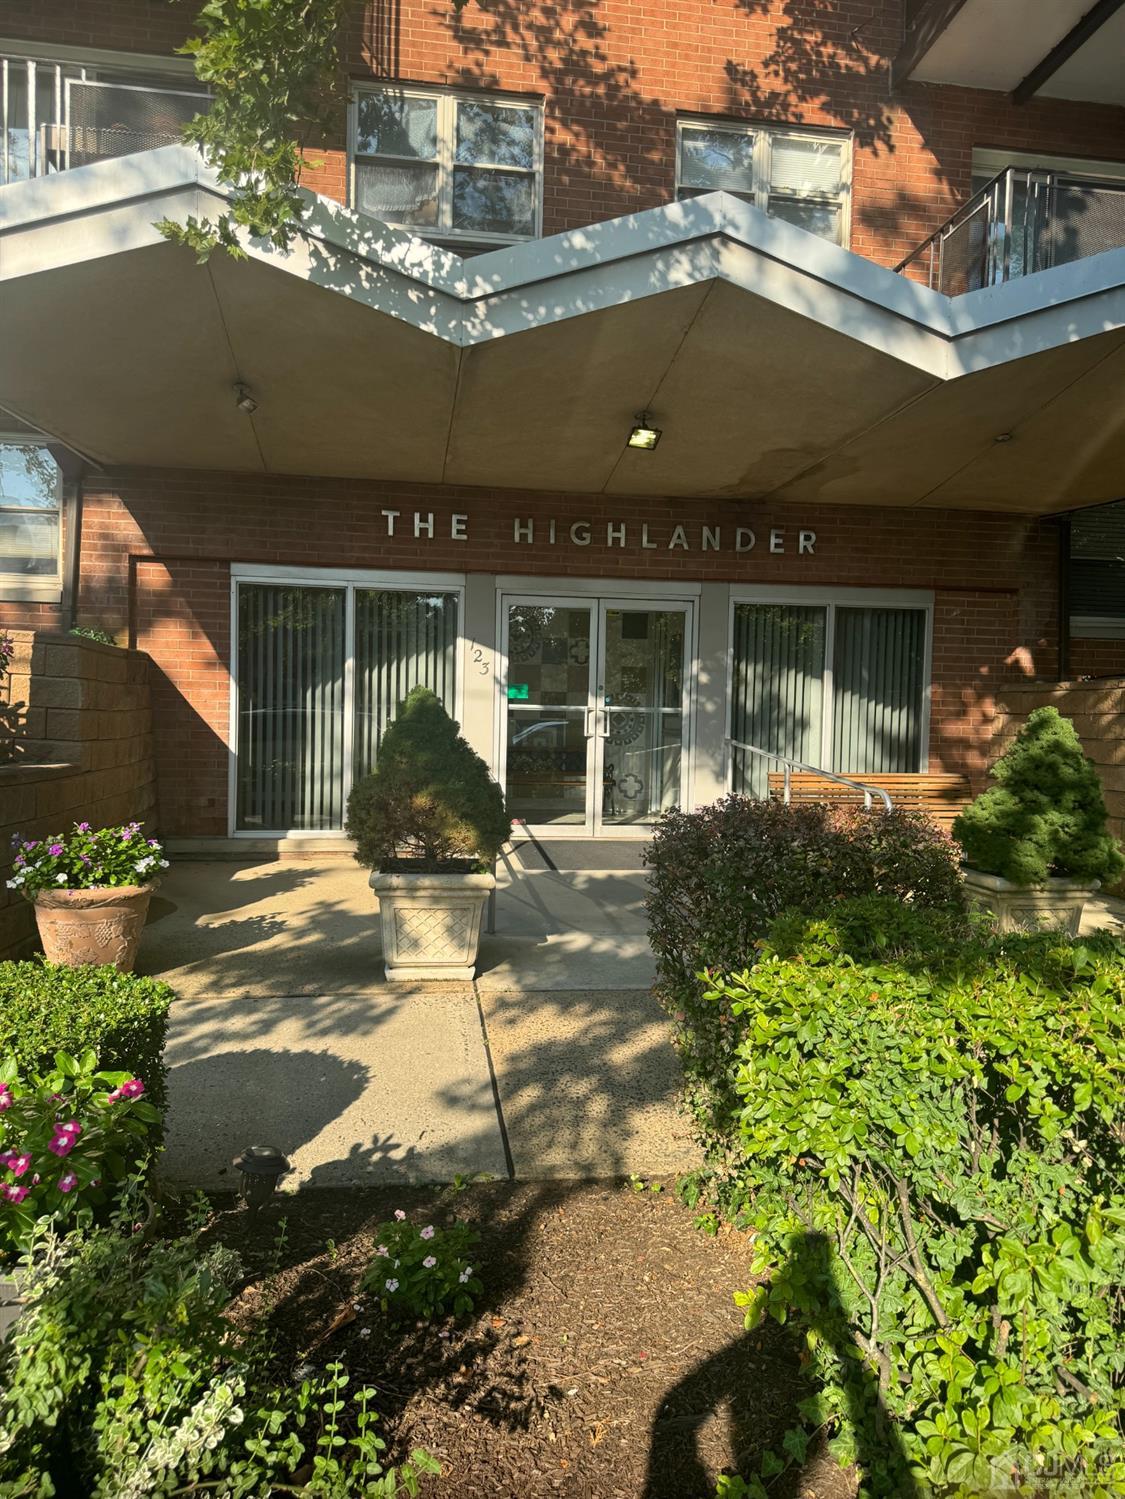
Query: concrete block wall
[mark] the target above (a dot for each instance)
(1097, 710)
(75, 745)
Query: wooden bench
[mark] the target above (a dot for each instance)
(938, 797)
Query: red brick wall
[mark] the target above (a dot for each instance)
(614, 74)
(157, 547)
(1097, 658)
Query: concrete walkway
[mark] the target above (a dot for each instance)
(556, 1062)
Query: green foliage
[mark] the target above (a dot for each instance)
(91, 632)
(719, 877)
(430, 798)
(422, 1272)
(120, 1017)
(1046, 814)
(124, 1379)
(930, 1151)
(271, 67)
(67, 1141)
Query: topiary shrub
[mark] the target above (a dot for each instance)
(931, 1158)
(719, 877)
(1045, 815)
(46, 1008)
(430, 804)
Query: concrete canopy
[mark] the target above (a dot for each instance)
(773, 362)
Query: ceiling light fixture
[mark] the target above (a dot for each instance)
(243, 399)
(1002, 437)
(644, 435)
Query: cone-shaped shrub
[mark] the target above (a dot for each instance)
(1045, 815)
(430, 798)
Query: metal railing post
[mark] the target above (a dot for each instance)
(790, 765)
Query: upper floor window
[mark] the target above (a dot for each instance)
(30, 503)
(56, 114)
(464, 167)
(801, 176)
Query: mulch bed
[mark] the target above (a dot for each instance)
(606, 1359)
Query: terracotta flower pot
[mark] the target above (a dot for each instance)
(93, 926)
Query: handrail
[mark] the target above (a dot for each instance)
(829, 775)
(1026, 219)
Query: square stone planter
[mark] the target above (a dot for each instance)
(431, 924)
(1019, 908)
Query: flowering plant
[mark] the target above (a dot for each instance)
(85, 858)
(66, 1139)
(422, 1272)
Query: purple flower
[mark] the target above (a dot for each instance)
(429, 1262)
(85, 858)
(428, 1231)
(153, 843)
(82, 827)
(61, 1145)
(55, 850)
(16, 1194)
(67, 1181)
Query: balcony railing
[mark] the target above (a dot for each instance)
(54, 116)
(1027, 219)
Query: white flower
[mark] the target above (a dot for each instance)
(164, 863)
(14, 884)
(465, 1274)
(365, 1332)
(392, 1285)
(381, 1249)
(60, 879)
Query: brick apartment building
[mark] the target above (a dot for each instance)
(589, 394)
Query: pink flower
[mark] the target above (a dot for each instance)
(67, 1181)
(132, 1089)
(429, 1262)
(82, 827)
(381, 1249)
(18, 1164)
(55, 850)
(71, 1128)
(61, 1145)
(16, 1194)
(6, 1099)
(400, 1215)
(428, 1231)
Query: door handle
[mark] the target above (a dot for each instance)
(586, 721)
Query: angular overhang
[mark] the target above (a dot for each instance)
(774, 363)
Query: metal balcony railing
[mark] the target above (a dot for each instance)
(1027, 219)
(54, 116)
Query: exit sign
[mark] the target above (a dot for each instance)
(518, 692)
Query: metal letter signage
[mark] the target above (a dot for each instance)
(641, 536)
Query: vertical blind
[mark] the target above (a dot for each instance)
(779, 702)
(778, 687)
(297, 707)
(877, 688)
(402, 640)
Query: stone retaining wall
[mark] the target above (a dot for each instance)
(1097, 710)
(75, 744)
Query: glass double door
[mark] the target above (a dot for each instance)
(595, 705)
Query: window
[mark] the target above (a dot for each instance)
(1096, 575)
(456, 166)
(839, 685)
(321, 671)
(30, 502)
(798, 175)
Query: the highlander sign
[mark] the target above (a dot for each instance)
(640, 536)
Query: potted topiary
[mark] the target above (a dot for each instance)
(91, 889)
(1036, 846)
(429, 821)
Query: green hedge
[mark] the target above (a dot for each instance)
(122, 1018)
(719, 877)
(929, 1149)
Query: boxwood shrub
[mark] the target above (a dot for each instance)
(929, 1149)
(720, 876)
(46, 1008)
